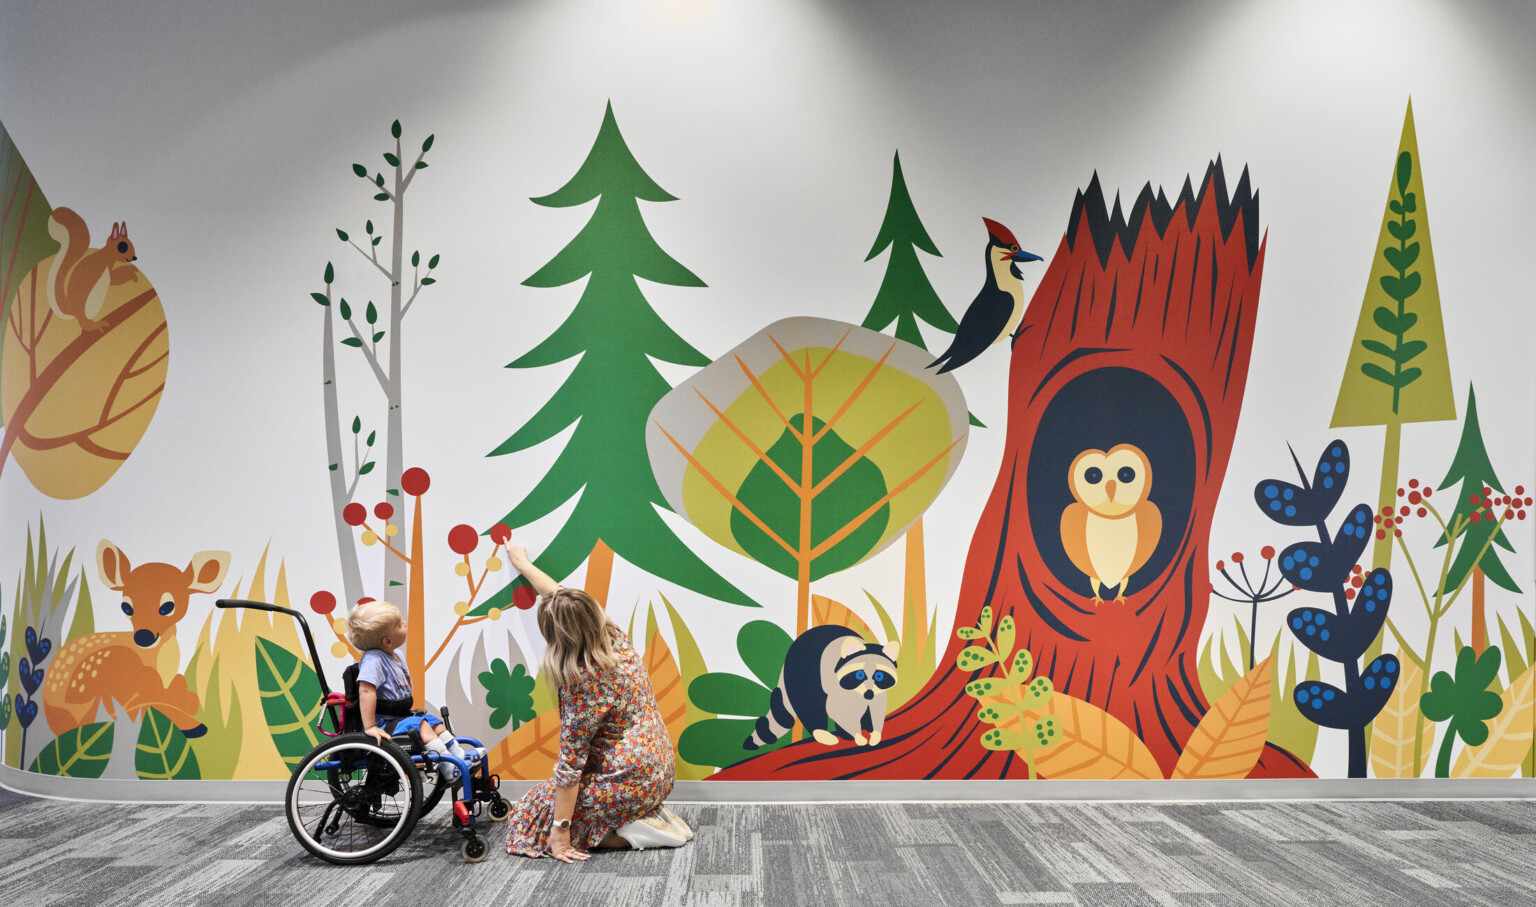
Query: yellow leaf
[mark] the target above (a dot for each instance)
(1092, 744)
(1509, 735)
(1228, 741)
(77, 401)
(529, 753)
(1392, 731)
(667, 684)
(827, 612)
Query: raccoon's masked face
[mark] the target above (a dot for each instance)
(866, 678)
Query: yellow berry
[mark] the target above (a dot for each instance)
(339, 649)
(493, 564)
(339, 625)
(495, 614)
(369, 537)
(391, 530)
(461, 569)
(461, 608)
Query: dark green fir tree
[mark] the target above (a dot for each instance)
(1470, 468)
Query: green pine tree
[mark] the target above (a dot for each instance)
(613, 388)
(906, 293)
(1471, 469)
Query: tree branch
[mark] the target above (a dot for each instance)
(373, 359)
(372, 257)
(725, 493)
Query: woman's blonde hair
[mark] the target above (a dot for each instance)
(579, 636)
(370, 622)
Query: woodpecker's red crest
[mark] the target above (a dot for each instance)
(1000, 234)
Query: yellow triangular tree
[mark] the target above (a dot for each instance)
(1398, 369)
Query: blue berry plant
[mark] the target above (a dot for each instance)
(1344, 633)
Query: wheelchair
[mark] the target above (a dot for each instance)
(354, 799)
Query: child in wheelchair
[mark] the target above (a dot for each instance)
(384, 691)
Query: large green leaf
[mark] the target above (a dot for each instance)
(290, 699)
(163, 752)
(763, 645)
(718, 742)
(729, 694)
(79, 753)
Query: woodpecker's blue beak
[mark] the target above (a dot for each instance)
(1021, 255)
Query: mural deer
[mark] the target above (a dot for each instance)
(136, 668)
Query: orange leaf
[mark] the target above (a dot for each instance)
(1228, 741)
(667, 683)
(827, 612)
(76, 402)
(529, 753)
(1094, 744)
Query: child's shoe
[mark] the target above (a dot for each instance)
(652, 831)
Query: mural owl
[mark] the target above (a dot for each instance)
(1111, 528)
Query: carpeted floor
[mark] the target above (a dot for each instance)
(880, 855)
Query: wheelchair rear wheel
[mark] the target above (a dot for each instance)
(353, 799)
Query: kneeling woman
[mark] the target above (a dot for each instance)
(616, 762)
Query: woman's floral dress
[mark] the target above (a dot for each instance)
(612, 740)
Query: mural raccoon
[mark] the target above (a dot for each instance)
(830, 672)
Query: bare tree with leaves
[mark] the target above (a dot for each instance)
(389, 186)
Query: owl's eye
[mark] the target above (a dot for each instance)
(1125, 474)
(1094, 475)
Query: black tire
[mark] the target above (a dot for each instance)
(473, 850)
(499, 809)
(353, 799)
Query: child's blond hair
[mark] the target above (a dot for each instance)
(370, 622)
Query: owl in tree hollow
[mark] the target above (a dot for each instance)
(1111, 528)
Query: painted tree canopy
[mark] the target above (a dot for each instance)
(616, 333)
(810, 446)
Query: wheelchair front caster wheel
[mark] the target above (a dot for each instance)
(473, 850)
(499, 809)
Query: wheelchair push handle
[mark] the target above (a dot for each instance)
(309, 639)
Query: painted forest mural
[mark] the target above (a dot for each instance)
(1101, 627)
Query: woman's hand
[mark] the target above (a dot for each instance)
(517, 556)
(378, 734)
(561, 848)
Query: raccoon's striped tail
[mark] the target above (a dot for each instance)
(773, 725)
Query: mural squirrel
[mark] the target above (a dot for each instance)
(80, 276)
(830, 672)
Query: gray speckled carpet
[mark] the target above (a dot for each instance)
(1367, 853)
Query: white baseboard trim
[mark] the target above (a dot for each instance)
(121, 791)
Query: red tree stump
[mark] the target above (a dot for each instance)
(1139, 333)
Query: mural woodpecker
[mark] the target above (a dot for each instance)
(996, 311)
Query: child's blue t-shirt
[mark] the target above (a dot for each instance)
(387, 674)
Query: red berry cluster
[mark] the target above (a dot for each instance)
(1487, 505)
(1356, 580)
(1392, 518)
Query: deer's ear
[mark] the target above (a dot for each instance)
(112, 565)
(207, 570)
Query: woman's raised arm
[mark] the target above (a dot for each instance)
(517, 556)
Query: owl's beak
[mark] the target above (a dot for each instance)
(1109, 489)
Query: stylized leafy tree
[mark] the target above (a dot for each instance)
(612, 388)
(1327, 566)
(1398, 369)
(462, 540)
(1011, 703)
(404, 288)
(1466, 700)
(1471, 469)
(809, 447)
